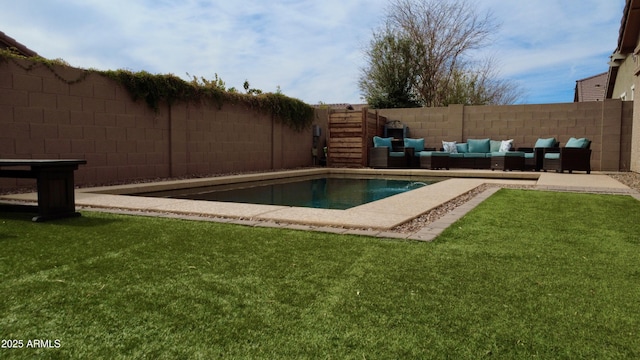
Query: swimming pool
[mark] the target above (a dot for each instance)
(382, 214)
(315, 192)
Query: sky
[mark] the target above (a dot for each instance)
(312, 50)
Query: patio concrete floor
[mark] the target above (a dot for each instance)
(374, 219)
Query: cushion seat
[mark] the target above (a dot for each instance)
(509, 154)
(433, 153)
(474, 155)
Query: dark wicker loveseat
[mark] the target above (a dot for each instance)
(575, 155)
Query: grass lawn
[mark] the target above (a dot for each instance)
(526, 274)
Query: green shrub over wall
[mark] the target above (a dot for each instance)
(155, 89)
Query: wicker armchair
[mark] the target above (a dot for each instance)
(575, 155)
(533, 156)
(381, 155)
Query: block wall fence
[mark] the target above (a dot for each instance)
(60, 112)
(607, 123)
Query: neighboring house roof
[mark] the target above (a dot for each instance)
(591, 88)
(7, 42)
(627, 41)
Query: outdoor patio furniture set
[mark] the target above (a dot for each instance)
(546, 154)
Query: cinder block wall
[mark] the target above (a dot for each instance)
(62, 112)
(608, 124)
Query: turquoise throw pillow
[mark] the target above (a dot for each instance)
(381, 142)
(545, 143)
(576, 143)
(417, 144)
(479, 145)
(462, 148)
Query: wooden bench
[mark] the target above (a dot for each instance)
(55, 184)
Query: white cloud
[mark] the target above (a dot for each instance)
(311, 49)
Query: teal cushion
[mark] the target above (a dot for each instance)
(528, 155)
(479, 145)
(509, 154)
(476, 155)
(456, 155)
(382, 142)
(545, 143)
(432, 153)
(417, 144)
(396, 153)
(494, 146)
(552, 156)
(462, 147)
(576, 143)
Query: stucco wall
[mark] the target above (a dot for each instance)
(625, 79)
(61, 112)
(608, 124)
(635, 133)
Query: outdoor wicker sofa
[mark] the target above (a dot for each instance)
(574, 155)
(482, 154)
(473, 154)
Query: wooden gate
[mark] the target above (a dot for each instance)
(350, 134)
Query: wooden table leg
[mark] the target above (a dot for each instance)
(56, 198)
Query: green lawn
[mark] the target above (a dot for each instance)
(526, 274)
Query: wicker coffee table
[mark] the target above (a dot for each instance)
(512, 160)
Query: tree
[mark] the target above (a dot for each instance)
(481, 86)
(388, 79)
(434, 42)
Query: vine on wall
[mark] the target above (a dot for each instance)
(155, 89)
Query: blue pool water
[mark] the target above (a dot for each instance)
(324, 193)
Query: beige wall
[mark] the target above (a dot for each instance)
(625, 79)
(633, 65)
(607, 123)
(63, 113)
(635, 133)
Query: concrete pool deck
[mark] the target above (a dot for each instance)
(375, 218)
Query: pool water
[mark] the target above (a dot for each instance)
(323, 193)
